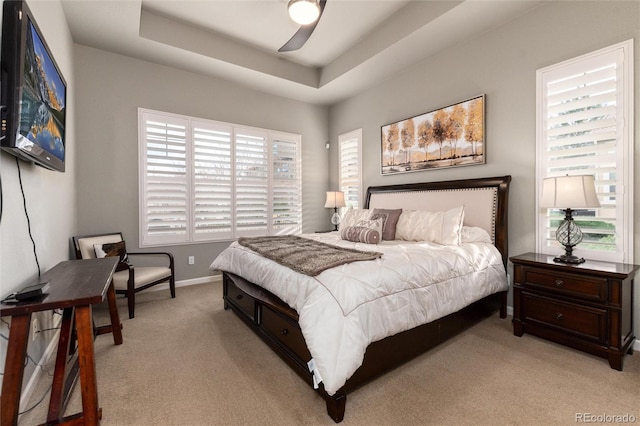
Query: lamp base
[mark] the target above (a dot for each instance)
(569, 259)
(569, 235)
(335, 218)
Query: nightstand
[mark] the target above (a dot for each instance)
(586, 306)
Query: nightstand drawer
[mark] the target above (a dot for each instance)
(583, 321)
(568, 284)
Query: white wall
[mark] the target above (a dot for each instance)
(50, 196)
(501, 64)
(110, 89)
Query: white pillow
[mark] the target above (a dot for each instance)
(352, 216)
(438, 227)
(474, 234)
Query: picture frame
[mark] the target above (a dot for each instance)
(446, 137)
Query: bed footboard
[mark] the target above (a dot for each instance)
(277, 325)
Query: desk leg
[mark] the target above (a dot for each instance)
(113, 313)
(14, 368)
(57, 400)
(87, 364)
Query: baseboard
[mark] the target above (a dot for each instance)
(30, 388)
(510, 311)
(185, 283)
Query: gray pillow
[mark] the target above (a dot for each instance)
(389, 219)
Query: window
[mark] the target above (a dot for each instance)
(585, 126)
(350, 169)
(203, 180)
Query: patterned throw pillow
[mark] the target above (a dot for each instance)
(352, 216)
(389, 221)
(112, 249)
(364, 231)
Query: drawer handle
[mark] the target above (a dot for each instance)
(559, 316)
(559, 283)
(239, 297)
(284, 332)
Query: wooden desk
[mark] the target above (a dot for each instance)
(75, 285)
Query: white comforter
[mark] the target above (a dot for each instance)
(344, 309)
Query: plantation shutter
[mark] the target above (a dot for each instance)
(251, 183)
(350, 168)
(286, 184)
(203, 180)
(212, 181)
(164, 190)
(581, 130)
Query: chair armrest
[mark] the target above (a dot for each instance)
(122, 266)
(155, 253)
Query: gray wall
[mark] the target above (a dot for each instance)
(110, 89)
(501, 64)
(51, 196)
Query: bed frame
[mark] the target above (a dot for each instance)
(485, 201)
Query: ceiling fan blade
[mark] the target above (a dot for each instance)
(302, 35)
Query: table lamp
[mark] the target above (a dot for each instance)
(569, 193)
(335, 199)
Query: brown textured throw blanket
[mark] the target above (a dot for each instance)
(303, 255)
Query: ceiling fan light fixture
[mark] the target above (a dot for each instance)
(304, 12)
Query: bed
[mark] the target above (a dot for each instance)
(344, 326)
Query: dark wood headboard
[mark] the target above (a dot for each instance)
(486, 202)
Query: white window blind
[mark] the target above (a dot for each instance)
(204, 180)
(212, 188)
(585, 127)
(350, 167)
(164, 189)
(287, 195)
(252, 183)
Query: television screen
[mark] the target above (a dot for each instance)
(36, 92)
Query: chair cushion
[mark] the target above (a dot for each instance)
(143, 276)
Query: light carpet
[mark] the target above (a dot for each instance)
(187, 361)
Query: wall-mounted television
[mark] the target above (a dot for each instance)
(34, 92)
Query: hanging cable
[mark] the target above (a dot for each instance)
(26, 213)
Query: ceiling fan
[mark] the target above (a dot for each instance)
(307, 13)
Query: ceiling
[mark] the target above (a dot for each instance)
(356, 44)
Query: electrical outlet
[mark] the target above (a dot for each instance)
(192, 260)
(35, 328)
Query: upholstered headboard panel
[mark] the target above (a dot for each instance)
(479, 204)
(485, 202)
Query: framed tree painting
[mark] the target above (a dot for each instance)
(447, 137)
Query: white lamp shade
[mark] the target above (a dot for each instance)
(334, 199)
(569, 192)
(304, 12)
